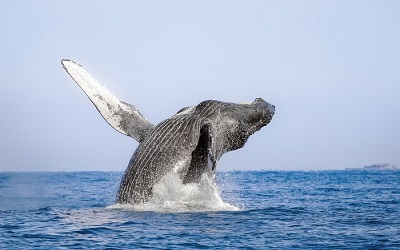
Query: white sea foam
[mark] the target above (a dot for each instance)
(171, 195)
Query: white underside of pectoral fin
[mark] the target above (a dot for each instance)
(123, 117)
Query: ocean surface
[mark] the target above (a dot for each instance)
(246, 210)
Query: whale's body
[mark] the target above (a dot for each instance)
(190, 143)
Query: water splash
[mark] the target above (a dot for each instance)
(171, 195)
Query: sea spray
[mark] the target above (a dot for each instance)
(171, 195)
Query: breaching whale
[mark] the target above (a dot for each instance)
(190, 142)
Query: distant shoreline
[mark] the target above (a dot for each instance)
(377, 167)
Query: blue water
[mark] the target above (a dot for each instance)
(284, 210)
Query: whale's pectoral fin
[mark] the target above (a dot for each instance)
(204, 158)
(123, 117)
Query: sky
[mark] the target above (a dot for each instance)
(331, 68)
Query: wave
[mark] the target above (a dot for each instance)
(171, 195)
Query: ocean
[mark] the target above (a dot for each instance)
(243, 210)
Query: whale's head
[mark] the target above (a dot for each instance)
(234, 123)
(223, 127)
(242, 120)
(256, 115)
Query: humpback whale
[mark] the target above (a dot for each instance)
(189, 143)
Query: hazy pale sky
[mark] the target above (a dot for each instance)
(331, 68)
